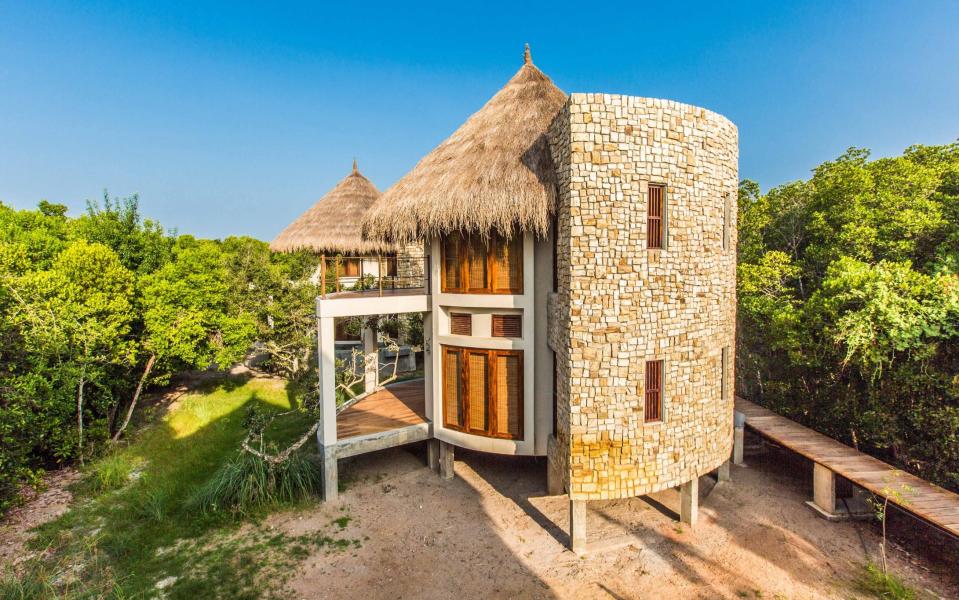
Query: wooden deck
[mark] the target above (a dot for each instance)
(927, 501)
(394, 407)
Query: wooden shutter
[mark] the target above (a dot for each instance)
(452, 386)
(477, 265)
(508, 267)
(654, 216)
(461, 324)
(509, 395)
(452, 258)
(510, 326)
(477, 399)
(352, 267)
(654, 391)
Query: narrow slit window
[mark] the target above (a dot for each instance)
(461, 324)
(509, 326)
(655, 221)
(654, 391)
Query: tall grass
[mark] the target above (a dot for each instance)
(248, 483)
(885, 585)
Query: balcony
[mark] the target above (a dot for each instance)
(345, 277)
(355, 286)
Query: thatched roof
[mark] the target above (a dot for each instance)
(334, 224)
(494, 173)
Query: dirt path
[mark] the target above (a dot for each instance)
(491, 533)
(38, 508)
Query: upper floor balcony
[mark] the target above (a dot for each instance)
(370, 285)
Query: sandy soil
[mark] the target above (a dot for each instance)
(38, 508)
(492, 533)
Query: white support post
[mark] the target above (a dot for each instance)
(722, 474)
(446, 460)
(577, 526)
(824, 489)
(739, 437)
(371, 359)
(326, 434)
(689, 502)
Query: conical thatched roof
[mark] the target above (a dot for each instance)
(494, 173)
(334, 224)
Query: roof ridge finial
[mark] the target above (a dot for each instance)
(356, 171)
(527, 57)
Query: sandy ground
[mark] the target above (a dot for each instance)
(38, 508)
(492, 533)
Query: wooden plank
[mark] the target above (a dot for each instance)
(930, 502)
(393, 407)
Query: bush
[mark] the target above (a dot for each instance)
(109, 473)
(248, 483)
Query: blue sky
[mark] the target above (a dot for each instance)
(231, 118)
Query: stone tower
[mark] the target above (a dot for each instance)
(624, 311)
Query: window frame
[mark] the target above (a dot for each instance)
(660, 218)
(660, 371)
(491, 391)
(464, 260)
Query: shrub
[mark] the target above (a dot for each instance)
(247, 483)
(885, 585)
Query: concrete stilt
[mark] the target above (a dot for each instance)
(446, 460)
(433, 454)
(554, 479)
(689, 502)
(577, 526)
(739, 437)
(329, 473)
(371, 359)
(824, 489)
(723, 472)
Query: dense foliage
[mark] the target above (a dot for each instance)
(94, 310)
(849, 304)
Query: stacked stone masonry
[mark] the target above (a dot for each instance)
(620, 304)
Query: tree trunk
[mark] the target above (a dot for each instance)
(136, 396)
(83, 375)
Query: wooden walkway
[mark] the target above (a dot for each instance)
(394, 407)
(927, 501)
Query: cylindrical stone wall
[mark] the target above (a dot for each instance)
(620, 304)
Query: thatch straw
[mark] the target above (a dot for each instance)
(333, 224)
(494, 173)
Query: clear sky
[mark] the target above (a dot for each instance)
(232, 118)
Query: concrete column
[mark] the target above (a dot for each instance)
(326, 433)
(329, 473)
(689, 502)
(577, 526)
(371, 358)
(446, 460)
(739, 436)
(723, 472)
(554, 478)
(433, 454)
(824, 488)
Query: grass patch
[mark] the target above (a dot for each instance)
(885, 585)
(136, 512)
(247, 484)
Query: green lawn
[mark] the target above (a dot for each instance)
(132, 525)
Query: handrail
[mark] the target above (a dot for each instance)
(374, 272)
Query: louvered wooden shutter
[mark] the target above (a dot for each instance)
(654, 217)
(477, 383)
(452, 384)
(654, 390)
(509, 395)
(507, 326)
(509, 264)
(461, 324)
(477, 264)
(451, 263)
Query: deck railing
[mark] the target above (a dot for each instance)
(374, 275)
